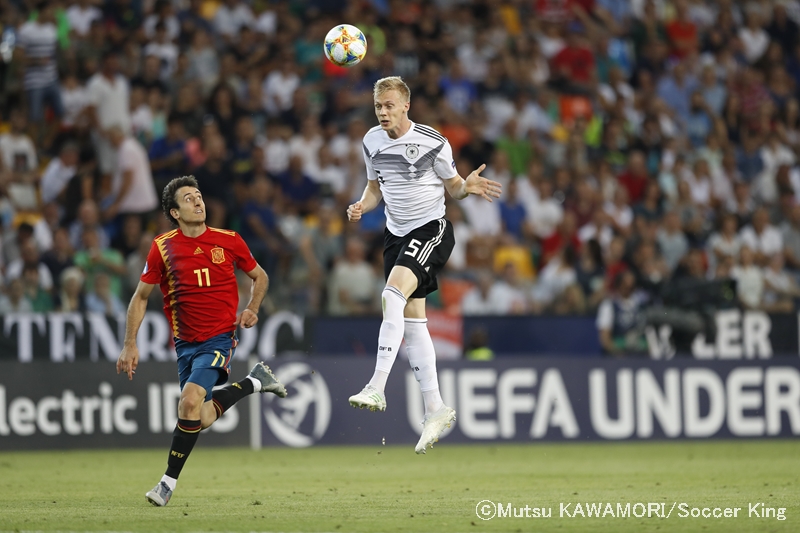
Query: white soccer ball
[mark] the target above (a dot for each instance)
(345, 45)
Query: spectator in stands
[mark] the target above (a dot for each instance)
(573, 68)
(260, 227)
(754, 39)
(780, 288)
(38, 40)
(151, 76)
(676, 90)
(749, 279)
(619, 211)
(619, 318)
(15, 301)
(163, 13)
(88, 217)
(352, 286)
(635, 178)
(491, 297)
(762, 238)
(192, 21)
(554, 279)
(726, 242)
(132, 188)
(127, 239)
(80, 15)
(242, 163)
(790, 232)
(102, 300)
(590, 273)
(17, 151)
(41, 299)
(699, 120)
(672, 242)
(93, 259)
(59, 257)
(30, 258)
(109, 106)
(279, 88)
(299, 190)
(318, 248)
(230, 17)
(459, 90)
(71, 297)
(168, 154)
(513, 213)
(224, 110)
(59, 172)
(682, 32)
(162, 48)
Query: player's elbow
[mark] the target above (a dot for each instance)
(259, 275)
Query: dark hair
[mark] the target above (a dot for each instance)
(108, 54)
(25, 228)
(596, 251)
(168, 201)
(570, 256)
(173, 118)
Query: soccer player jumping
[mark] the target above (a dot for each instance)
(410, 165)
(194, 264)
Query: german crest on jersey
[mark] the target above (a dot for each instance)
(217, 255)
(412, 151)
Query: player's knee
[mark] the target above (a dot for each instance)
(190, 405)
(393, 301)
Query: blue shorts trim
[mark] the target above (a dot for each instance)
(196, 358)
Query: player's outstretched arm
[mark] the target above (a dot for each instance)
(249, 317)
(129, 357)
(369, 201)
(459, 188)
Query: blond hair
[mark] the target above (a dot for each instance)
(392, 83)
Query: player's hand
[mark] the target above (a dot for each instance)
(128, 361)
(247, 319)
(478, 185)
(354, 212)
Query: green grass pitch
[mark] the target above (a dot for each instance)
(389, 488)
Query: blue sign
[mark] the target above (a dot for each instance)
(540, 399)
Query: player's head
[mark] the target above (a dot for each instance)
(392, 99)
(182, 201)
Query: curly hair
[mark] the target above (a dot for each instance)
(168, 201)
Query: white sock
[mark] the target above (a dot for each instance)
(433, 400)
(379, 379)
(390, 336)
(170, 481)
(256, 384)
(422, 358)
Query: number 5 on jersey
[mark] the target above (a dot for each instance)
(199, 273)
(413, 247)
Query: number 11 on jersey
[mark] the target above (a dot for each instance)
(199, 272)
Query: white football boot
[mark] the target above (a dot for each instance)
(433, 426)
(369, 397)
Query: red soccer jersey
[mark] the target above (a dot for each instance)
(198, 280)
(576, 63)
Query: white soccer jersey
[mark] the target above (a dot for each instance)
(410, 171)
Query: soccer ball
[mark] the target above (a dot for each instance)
(345, 45)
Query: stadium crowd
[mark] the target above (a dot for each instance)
(639, 142)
